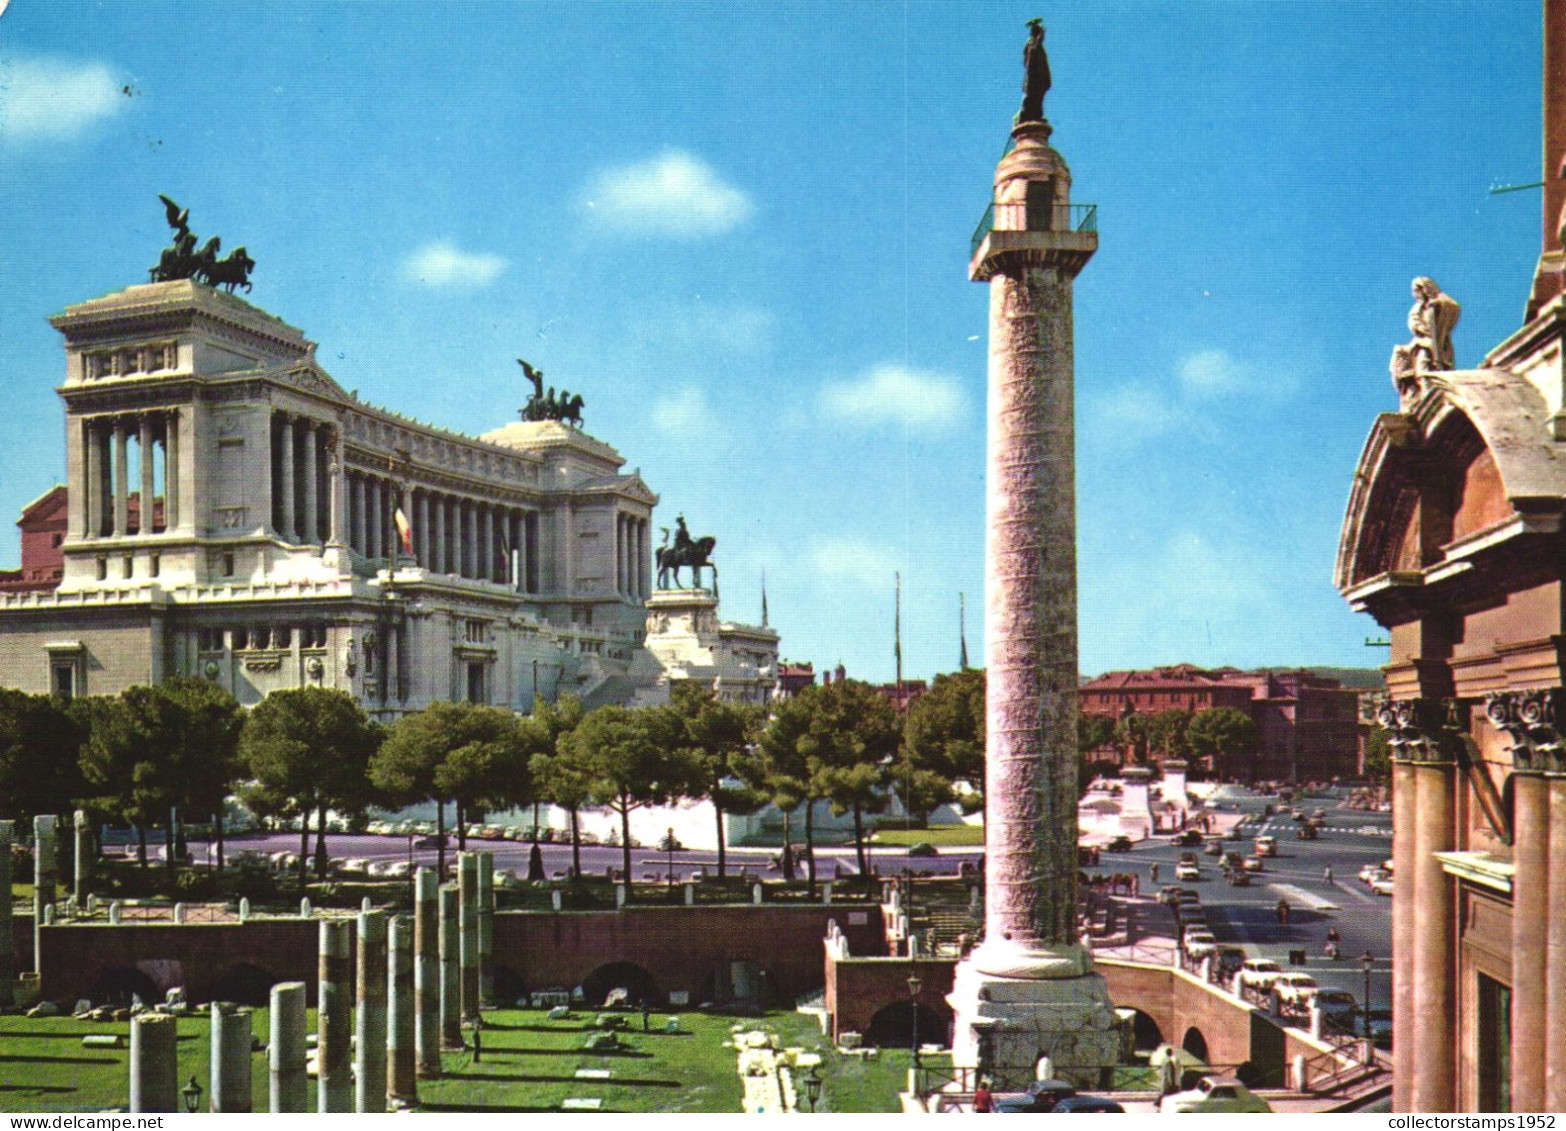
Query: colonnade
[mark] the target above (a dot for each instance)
(451, 534)
(632, 566)
(303, 473)
(108, 489)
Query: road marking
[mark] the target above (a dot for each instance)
(1300, 895)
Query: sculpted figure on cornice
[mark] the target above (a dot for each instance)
(1430, 320)
(1418, 730)
(1531, 722)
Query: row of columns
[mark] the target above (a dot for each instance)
(304, 471)
(450, 534)
(419, 984)
(632, 568)
(106, 468)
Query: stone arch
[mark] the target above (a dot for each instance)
(244, 983)
(1195, 1043)
(1146, 1034)
(619, 975)
(509, 986)
(893, 1025)
(115, 985)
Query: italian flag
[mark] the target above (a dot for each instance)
(404, 530)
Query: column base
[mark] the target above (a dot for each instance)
(1049, 1003)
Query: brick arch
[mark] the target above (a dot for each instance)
(892, 1025)
(244, 983)
(1195, 1043)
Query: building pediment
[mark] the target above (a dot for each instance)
(1471, 460)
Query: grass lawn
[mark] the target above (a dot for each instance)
(529, 1063)
(971, 835)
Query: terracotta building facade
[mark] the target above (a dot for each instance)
(1455, 540)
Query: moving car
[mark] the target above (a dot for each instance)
(1381, 887)
(1187, 872)
(1119, 844)
(1239, 878)
(1253, 864)
(1214, 1093)
(1266, 846)
(1214, 848)
(1368, 872)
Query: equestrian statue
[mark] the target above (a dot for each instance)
(566, 407)
(686, 551)
(181, 260)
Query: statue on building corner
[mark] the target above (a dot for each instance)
(181, 260)
(1430, 321)
(1035, 75)
(564, 407)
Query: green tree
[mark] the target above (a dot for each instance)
(1135, 731)
(1094, 732)
(1378, 756)
(554, 776)
(40, 742)
(308, 750)
(945, 739)
(851, 747)
(622, 752)
(711, 738)
(199, 723)
(781, 767)
(123, 766)
(1167, 733)
(1221, 734)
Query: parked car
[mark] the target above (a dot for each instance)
(1087, 1105)
(1199, 944)
(1189, 837)
(1259, 973)
(1294, 989)
(1214, 1093)
(1339, 1008)
(1169, 894)
(1382, 887)
(1119, 844)
(1041, 1096)
(435, 841)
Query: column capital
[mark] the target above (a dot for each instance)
(1420, 730)
(1531, 722)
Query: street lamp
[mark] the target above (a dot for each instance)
(191, 1094)
(915, 983)
(812, 1087)
(1367, 960)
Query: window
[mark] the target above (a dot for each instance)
(312, 636)
(154, 565)
(1494, 1045)
(63, 682)
(241, 639)
(476, 684)
(477, 631)
(103, 568)
(210, 639)
(283, 636)
(228, 563)
(128, 567)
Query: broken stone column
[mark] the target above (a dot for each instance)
(468, 899)
(7, 940)
(81, 875)
(334, 1020)
(426, 972)
(43, 881)
(369, 1065)
(290, 1086)
(450, 970)
(401, 1064)
(154, 1063)
(230, 1059)
(486, 929)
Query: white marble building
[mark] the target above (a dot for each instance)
(272, 556)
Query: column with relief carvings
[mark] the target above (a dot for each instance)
(335, 488)
(121, 479)
(92, 488)
(145, 511)
(173, 482)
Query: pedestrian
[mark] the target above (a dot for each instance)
(1283, 913)
(1154, 871)
(1136, 886)
(1326, 875)
(646, 1016)
(983, 1101)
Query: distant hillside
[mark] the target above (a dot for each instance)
(1360, 679)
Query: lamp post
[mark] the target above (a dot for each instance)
(191, 1094)
(915, 983)
(1367, 960)
(812, 1087)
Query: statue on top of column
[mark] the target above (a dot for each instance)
(1035, 75)
(1431, 321)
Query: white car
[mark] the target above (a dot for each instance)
(1260, 973)
(1188, 872)
(1199, 944)
(1252, 864)
(1368, 873)
(1214, 1093)
(1381, 886)
(1294, 989)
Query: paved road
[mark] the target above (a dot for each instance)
(1247, 916)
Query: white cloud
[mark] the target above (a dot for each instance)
(675, 195)
(1212, 372)
(1137, 412)
(49, 99)
(444, 265)
(685, 412)
(892, 394)
(862, 562)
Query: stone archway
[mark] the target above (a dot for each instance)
(1145, 1032)
(1194, 1043)
(628, 976)
(893, 1026)
(115, 985)
(244, 984)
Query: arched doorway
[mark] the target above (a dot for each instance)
(1145, 1033)
(509, 987)
(628, 976)
(1195, 1044)
(244, 984)
(893, 1026)
(116, 985)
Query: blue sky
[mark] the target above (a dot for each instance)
(741, 231)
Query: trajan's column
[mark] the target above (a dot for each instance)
(1029, 990)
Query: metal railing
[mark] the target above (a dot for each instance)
(1014, 218)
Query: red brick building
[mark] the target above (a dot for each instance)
(1309, 725)
(43, 526)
